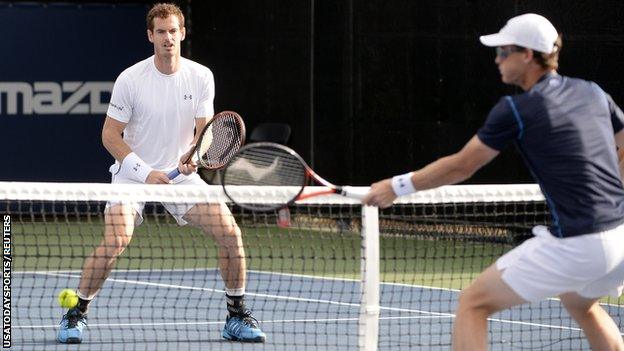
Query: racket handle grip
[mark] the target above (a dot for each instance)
(173, 174)
(354, 192)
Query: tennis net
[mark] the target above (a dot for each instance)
(326, 274)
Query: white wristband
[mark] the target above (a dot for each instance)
(133, 167)
(402, 184)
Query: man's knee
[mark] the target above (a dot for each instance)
(115, 244)
(119, 226)
(214, 219)
(488, 294)
(471, 300)
(577, 305)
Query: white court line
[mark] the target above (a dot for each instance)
(311, 320)
(78, 271)
(266, 296)
(316, 277)
(274, 273)
(289, 298)
(351, 280)
(405, 285)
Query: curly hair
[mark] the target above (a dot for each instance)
(163, 10)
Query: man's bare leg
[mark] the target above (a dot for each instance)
(600, 329)
(488, 294)
(118, 229)
(217, 221)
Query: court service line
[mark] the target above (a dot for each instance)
(311, 277)
(266, 296)
(299, 299)
(311, 320)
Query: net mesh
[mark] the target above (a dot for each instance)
(304, 269)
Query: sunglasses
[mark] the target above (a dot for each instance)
(504, 52)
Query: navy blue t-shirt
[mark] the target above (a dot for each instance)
(564, 128)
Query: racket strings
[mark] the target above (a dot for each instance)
(221, 141)
(266, 166)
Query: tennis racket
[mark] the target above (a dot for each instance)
(218, 142)
(271, 164)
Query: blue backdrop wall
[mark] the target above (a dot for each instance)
(59, 65)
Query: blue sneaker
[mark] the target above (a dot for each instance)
(72, 324)
(243, 328)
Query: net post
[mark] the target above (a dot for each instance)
(369, 305)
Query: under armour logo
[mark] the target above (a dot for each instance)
(188, 97)
(136, 167)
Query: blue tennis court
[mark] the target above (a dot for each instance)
(137, 310)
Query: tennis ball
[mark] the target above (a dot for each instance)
(68, 298)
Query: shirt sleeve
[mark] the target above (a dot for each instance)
(206, 102)
(120, 106)
(617, 116)
(503, 124)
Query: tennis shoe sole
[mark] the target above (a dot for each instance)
(230, 337)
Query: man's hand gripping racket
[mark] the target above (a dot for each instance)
(271, 164)
(218, 142)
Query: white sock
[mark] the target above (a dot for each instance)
(235, 292)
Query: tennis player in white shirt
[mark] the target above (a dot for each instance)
(155, 107)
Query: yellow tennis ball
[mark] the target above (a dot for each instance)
(68, 298)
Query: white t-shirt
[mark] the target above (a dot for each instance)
(160, 109)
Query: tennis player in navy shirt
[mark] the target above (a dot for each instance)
(567, 130)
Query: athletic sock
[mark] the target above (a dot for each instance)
(235, 305)
(83, 305)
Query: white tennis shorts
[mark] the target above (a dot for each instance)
(544, 266)
(177, 210)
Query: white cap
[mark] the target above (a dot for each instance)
(529, 30)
